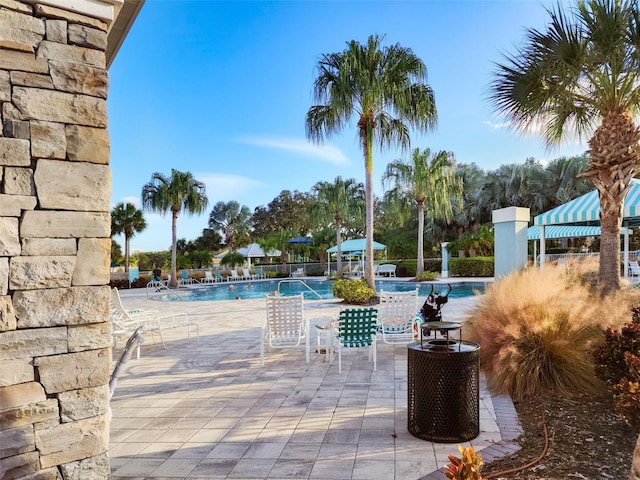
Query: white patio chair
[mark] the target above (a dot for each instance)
(284, 326)
(208, 278)
(396, 316)
(634, 269)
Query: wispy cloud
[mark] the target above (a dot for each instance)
(223, 186)
(325, 153)
(497, 126)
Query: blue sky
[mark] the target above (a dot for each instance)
(221, 89)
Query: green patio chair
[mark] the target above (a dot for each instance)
(356, 327)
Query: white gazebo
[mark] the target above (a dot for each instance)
(255, 251)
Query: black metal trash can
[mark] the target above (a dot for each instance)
(443, 388)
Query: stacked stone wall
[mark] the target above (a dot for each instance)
(55, 186)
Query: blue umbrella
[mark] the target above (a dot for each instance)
(300, 240)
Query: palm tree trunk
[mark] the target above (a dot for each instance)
(420, 267)
(174, 245)
(610, 223)
(368, 191)
(339, 247)
(126, 253)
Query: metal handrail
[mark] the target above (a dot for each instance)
(161, 286)
(300, 281)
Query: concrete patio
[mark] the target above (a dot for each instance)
(208, 410)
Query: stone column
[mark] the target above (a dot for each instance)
(55, 186)
(510, 244)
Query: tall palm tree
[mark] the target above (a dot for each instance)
(180, 192)
(335, 202)
(427, 181)
(384, 89)
(582, 76)
(128, 220)
(232, 220)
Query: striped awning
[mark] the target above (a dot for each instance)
(587, 209)
(566, 231)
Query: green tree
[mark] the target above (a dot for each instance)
(426, 181)
(232, 221)
(384, 89)
(128, 220)
(582, 76)
(180, 192)
(116, 253)
(288, 211)
(335, 202)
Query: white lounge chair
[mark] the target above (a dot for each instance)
(634, 269)
(387, 269)
(284, 326)
(125, 321)
(297, 273)
(208, 278)
(234, 275)
(396, 316)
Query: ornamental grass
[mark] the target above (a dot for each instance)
(537, 329)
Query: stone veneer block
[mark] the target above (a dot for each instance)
(19, 181)
(36, 80)
(48, 140)
(71, 53)
(75, 78)
(60, 373)
(84, 36)
(21, 29)
(4, 275)
(96, 468)
(90, 337)
(29, 414)
(14, 152)
(32, 343)
(9, 237)
(31, 273)
(7, 315)
(53, 12)
(22, 61)
(22, 394)
(67, 442)
(16, 6)
(92, 262)
(56, 31)
(69, 306)
(85, 403)
(77, 186)
(18, 466)
(87, 144)
(16, 371)
(16, 129)
(43, 224)
(16, 441)
(13, 206)
(48, 246)
(53, 106)
(5, 87)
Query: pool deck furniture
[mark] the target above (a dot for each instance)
(387, 269)
(397, 315)
(208, 410)
(284, 325)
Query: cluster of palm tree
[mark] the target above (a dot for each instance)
(580, 77)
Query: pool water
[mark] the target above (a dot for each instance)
(322, 289)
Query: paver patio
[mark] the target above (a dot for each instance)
(208, 410)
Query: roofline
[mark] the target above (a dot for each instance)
(121, 26)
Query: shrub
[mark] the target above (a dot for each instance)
(426, 276)
(618, 363)
(537, 329)
(467, 467)
(471, 267)
(353, 291)
(433, 265)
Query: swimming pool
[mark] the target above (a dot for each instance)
(240, 290)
